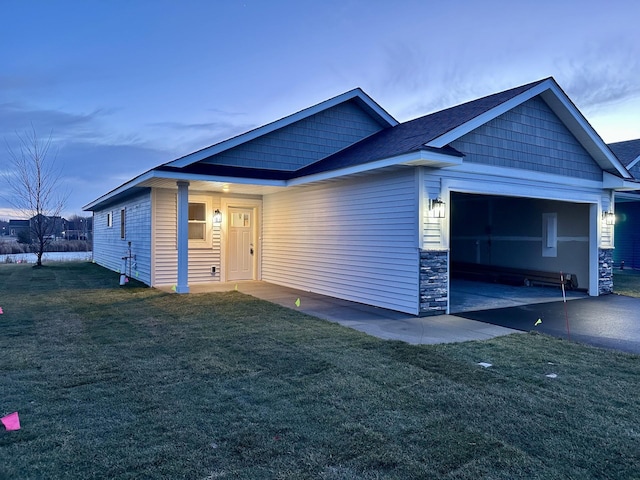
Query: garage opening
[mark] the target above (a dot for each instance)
(509, 251)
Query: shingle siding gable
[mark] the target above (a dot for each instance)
(303, 142)
(529, 137)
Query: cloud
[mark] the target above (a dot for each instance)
(602, 76)
(17, 118)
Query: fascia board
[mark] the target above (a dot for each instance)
(151, 175)
(562, 106)
(420, 157)
(628, 196)
(516, 173)
(119, 190)
(489, 115)
(633, 162)
(217, 178)
(283, 122)
(619, 184)
(578, 125)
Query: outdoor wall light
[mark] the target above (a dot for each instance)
(609, 218)
(217, 216)
(437, 208)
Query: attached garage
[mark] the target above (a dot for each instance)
(513, 238)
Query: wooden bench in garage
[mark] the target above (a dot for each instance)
(512, 276)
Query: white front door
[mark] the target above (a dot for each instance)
(240, 241)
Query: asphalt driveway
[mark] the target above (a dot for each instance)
(609, 321)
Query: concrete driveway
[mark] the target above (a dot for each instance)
(609, 321)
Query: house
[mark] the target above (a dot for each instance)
(343, 200)
(19, 228)
(627, 233)
(51, 226)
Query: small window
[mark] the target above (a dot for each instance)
(110, 219)
(549, 234)
(197, 221)
(122, 223)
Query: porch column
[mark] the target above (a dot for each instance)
(183, 238)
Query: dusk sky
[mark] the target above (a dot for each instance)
(124, 86)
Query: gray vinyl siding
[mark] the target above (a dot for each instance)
(165, 244)
(109, 248)
(354, 239)
(529, 137)
(303, 142)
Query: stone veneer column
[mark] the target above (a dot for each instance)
(434, 277)
(605, 271)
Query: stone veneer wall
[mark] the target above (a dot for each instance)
(605, 271)
(434, 277)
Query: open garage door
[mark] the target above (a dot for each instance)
(522, 243)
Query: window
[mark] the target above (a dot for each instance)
(549, 234)
(122, 223)
(110, 219)
(197, 221)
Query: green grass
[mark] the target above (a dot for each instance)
(627, 282)
(130, 382)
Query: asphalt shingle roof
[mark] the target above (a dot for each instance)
(626, 151)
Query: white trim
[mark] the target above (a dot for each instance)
(215, 178)
(517, 173)
(617, 183)
(633, 162)
(154, 206)
(207, 200)
(421, 200)
(505, 181)
(283, 122)
(420, 157)
(628, 196)
(451, 135)
(594, 232)
(562, 106)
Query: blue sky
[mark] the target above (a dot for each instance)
(126, 85)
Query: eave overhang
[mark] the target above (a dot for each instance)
(618, 184)
(423, 157)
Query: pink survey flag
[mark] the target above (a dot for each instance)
(11, 421)
(1, 312)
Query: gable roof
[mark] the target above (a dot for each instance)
(628, 152)
(434, 132)
(357, 94)
(422, 141)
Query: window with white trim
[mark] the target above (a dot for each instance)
(197, 221)
(200, 219)
(109, 219)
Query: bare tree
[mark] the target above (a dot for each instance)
(35, 188)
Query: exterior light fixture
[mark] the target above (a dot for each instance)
(609, 218)
(217, 216)
(437, 208)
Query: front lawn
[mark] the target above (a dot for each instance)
(626, 282)
(130, 382)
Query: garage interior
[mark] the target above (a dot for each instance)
(508, 251)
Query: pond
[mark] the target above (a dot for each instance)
(47, 257)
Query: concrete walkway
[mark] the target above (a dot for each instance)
(378, 322)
